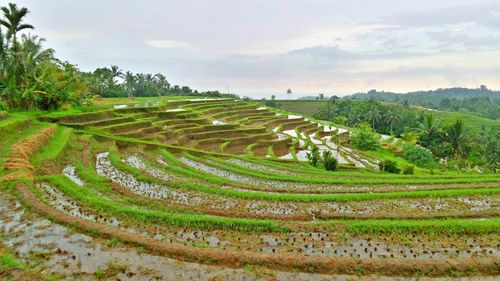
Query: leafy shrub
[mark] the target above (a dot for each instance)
(364, 138)
(419, 156)
(329, 162)
(408, 170)
(389, 166)
(314, 156)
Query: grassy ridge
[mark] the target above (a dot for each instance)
(368, 181)
(429, 227)
(97, 203)
(116, 161)
(55, 146)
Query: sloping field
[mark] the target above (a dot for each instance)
(199, 180)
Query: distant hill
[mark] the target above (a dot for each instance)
(433, 97)
(481, 101)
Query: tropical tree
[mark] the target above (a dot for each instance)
(364, 138)
(13, 22)
(392, 118)
(373, 115)
(115, 72)
(455, 136)
(428, 129)
(130, 81)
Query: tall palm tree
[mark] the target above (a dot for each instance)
(13, 21)
(428, 129)
(392, 118)
(3, 58)
(373, 115)
(161, 83)
(456, 136)
(116, 72)
(130, 82)
(31, 53)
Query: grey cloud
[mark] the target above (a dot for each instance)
(480, 13)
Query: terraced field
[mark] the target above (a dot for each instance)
(222, 182)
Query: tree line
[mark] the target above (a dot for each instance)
(31, 77)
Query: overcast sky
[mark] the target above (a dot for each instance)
(263, 47)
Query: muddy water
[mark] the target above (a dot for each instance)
(76, 256)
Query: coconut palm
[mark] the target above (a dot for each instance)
(428, 129)
(116, 72)
(161, 84)
(456, 134)
(20, 70)
(373, 115)
(31, 53)
(13, 22)
(392, 118)
(130, 81)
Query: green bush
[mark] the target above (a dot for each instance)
(314, 156)
(408, 170)
(419, 156)
(329, 162)
(364, 138)
(389, 166)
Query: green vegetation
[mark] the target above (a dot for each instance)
(364, 138)
(389, 166)
(453, 139)
(233, 196)
(9, 261)
(200, 177)
(31, 77)
(481, 101)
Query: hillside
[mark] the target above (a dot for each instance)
(473, 122)
(429, 97)
(222, 182)
(482, 101)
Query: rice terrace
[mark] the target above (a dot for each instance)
(107, 174)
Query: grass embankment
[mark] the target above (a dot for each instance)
(199, 187)
(150, 217)
(55, 146)
(305, 170)
(394, 179)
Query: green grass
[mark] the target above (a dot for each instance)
(306, 170)
(141, 216)
(116, 161)
(54, 148)
(9, 261)
(430, 226)
(472, 122)
(351, 181)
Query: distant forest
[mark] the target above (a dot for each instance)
(481, 101)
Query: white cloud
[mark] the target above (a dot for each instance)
(169, 44)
